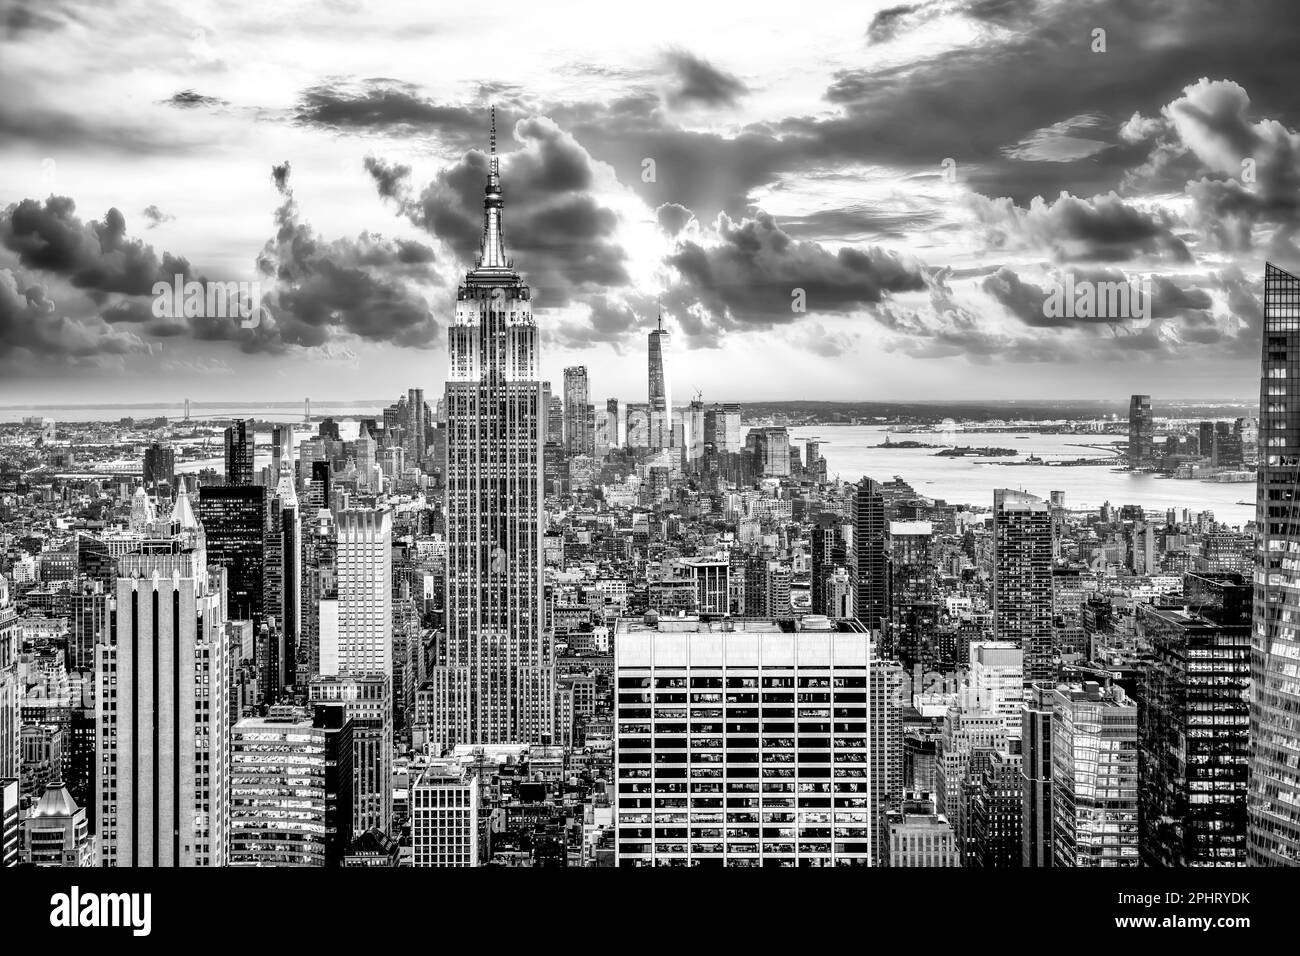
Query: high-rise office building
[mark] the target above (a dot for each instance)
(608, 428)
(282, 594)
(1139, 431)
(10, 692)
(712, 579)
(997, 681)
(159, 469)
(444, 817)
(10, 821)
(913, 608)
(1273, 801)
(277, 790)
(660, 404)
(579, 429)
(829, 551)
(417, 413)
(1094, 777)
(722, 428)
(727, 751)
(1193, 726)
(364, 572)
(769, 451)
(869, 557)
(368, 701)
(340, 769)
(1036, 776)
(163, 708)
(917, 835)
(1022, 578)
(234, 519)
(241, 443)
(694, 430)
(498, 672)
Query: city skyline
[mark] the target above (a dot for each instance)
(722, 507)
(925, 260)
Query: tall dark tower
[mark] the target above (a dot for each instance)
(240, 443)
(869, 561)
(1273, 796)
(661, 399)
(496, 684)
(1139, 431)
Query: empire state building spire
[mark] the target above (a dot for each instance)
(492, 251)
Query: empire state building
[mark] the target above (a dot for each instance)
(495, 681)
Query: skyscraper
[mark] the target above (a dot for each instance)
(1139, 431)
(498, 672)
(1094, 777)
(234, 523)
(283, 573)
(277, 787)
(579, 429)
(661, 399)
(1036, 776)
(1022, 578)
(240, 452)
(368, 702)
(1273, 799)
(364, 561)
(10, 696)
(1193, 723)
(163, 708)
(869, 555)
(792, 794)
(416, 412)
(159, 469)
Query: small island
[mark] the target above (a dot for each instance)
(905, 444)
(965, 451)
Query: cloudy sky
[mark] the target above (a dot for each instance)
(924, 172)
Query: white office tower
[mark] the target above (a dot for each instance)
(163, 711)
(496, 683)
(751, 742)
(997, 682)
(277, 782)
(444, 817)
(364, 563)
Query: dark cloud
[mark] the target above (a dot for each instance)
(324, 289)
(613, 321)
(553, 219)
(155, 216)
(280, 176)
(189, 99)
(94, 256)
(1241, 174)
(387, 105)
(33, 333)
(887, 23)
(1101, 229)
(389, 178)
(673, 218)
(750, 277)
(698, 81)
(20, 19)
